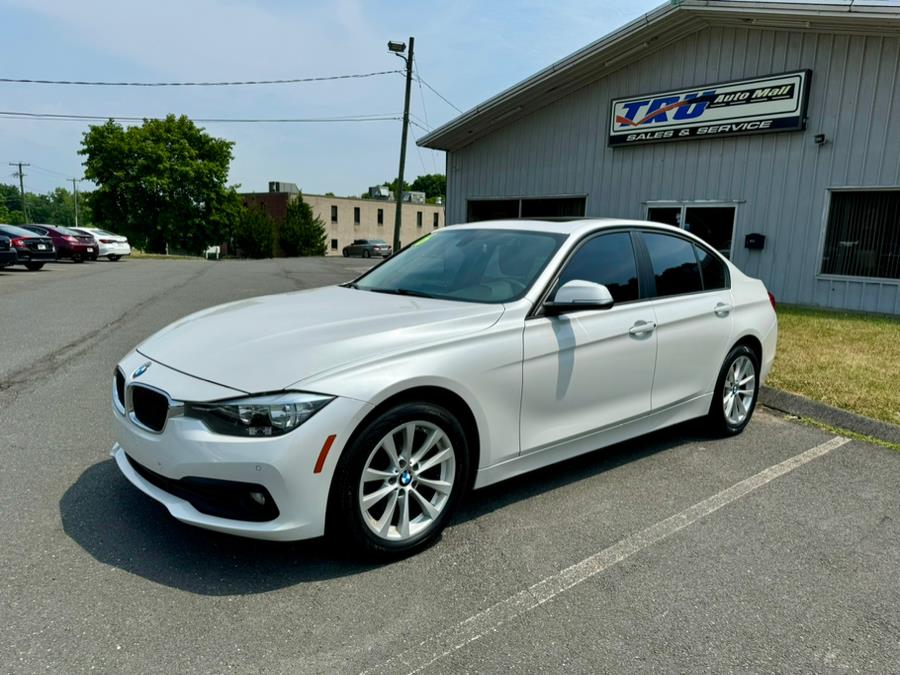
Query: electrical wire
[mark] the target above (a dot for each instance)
(60, 117)
(427, 123)
(296, 80)
(440, 95)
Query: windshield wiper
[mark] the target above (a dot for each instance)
(401, 291)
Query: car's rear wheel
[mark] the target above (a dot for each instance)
(737, 388)
(114, 258)
(34, 266)
(366, 253)
(399, 480)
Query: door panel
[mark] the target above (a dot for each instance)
(584, 371)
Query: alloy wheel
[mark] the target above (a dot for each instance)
(407, 480)
(739, 390)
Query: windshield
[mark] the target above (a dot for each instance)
(483, 265)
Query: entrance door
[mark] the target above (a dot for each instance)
(713, 223)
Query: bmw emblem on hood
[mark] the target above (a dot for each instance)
(140, 371)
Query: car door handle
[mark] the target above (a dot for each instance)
(723, 309)
(642, 327)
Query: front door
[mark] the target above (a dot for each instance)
(713, 223)
(587, 370)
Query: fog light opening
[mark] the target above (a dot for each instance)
(258, 497)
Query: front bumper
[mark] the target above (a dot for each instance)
(187, 449)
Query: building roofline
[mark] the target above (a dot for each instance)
(649, 33)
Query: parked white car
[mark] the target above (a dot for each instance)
(479, 352)
(109, 245)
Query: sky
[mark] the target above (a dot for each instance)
(468, 50)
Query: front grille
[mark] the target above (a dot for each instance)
(150, 407)
(120, 387)
(221, 498)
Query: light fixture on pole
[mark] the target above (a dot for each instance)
(398, 48)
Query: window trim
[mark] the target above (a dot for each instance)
(823, 234)
(697, 204)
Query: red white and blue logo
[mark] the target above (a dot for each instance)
(773, 103)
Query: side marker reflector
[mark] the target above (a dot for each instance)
(323, 453)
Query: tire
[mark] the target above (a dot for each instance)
(114, 258)
(368, 527)
(33, 266)
(346, 253)
(730, 410)
(366, 253)
(77, 259)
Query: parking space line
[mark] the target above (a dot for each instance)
(489, 620)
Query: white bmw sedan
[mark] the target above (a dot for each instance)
(481, 351)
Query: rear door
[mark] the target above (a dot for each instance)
(693, 308)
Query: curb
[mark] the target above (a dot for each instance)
(793, 404)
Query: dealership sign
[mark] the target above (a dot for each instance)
(773, 103)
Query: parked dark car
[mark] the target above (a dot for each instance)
(366, 248)
(7, 253)
(68, 243)
(32, 250)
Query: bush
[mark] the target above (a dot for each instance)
(302, 233)
(253, 233)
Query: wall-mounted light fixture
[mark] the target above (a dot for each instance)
(819, 139)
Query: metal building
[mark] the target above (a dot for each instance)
(771, 129)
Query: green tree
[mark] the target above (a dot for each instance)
(161, 183)
(253, 233)
(432, 184)
(302, 232)
(393, 186)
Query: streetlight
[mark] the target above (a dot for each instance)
(397, 48)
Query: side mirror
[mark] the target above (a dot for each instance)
(578, 295)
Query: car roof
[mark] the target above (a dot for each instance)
(569, 226)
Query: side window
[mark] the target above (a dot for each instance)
(609, 260)
(713, 270)
(674, 264)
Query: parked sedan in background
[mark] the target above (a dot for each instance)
(366, 248)
(109, 245)
(7, 253)
(68, 243)
(32, 250)
(486, 350)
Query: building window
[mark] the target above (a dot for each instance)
(418, 219)
(334, 244)
(531, 207)
(356, 215)
(862, 236)
(381, 216)
(437, 219)
(333, 214)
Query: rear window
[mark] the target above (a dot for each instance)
(13, 231)
(674, 264)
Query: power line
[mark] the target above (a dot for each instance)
(440, 95)
(296, 80)
(427, 123)
(66, 117)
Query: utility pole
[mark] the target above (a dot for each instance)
(75, 192)
(22, 184)
(398, 48)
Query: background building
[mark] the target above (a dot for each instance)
(350, 218)
(770, 129)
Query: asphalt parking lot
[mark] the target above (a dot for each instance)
(777, 551)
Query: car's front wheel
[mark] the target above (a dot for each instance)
(366, 253)
(737, 387)
(399, 480)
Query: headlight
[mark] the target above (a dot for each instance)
(267, 415)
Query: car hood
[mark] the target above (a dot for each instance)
(268, 343)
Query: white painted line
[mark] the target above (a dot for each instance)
(489, 620)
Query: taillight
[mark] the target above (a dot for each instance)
(72, 239)
(772, 300)
(107, 241)
(18, 242)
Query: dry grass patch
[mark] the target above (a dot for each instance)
(850, 361)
